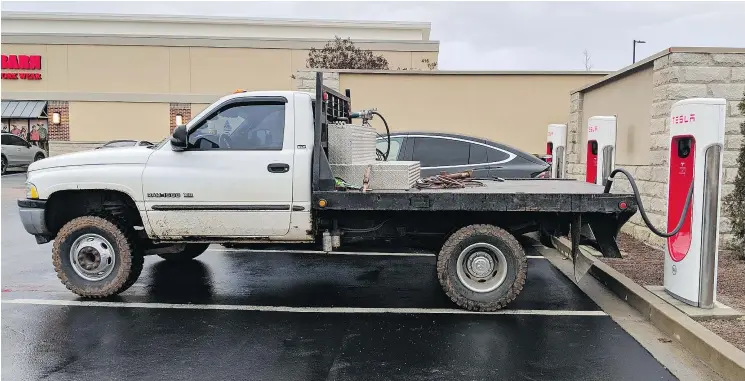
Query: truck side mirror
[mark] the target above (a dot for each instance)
(178, 139)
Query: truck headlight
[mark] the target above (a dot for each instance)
(31, 192)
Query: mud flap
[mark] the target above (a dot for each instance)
(605, 228)
(581, 263)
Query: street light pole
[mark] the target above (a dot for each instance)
(633, 58)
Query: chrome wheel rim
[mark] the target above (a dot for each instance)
(4, 164)
(481, 267)
(92, 257)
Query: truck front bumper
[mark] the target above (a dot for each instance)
(33, 219)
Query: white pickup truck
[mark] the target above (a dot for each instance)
(253, 166)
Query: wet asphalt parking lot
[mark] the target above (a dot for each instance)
(281, 315)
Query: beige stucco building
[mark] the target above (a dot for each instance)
(105, 77)
(116, 77)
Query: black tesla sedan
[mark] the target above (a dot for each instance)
(438, 152)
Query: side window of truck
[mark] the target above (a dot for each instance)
(242, 127)
(440, 152)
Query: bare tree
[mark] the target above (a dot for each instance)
(588, 63)
(342, 54)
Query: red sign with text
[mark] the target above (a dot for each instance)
(680, 119)
(21, 62)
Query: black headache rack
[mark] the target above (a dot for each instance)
(330, 107)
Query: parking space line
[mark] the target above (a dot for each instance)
(341, 253)
(360, 310)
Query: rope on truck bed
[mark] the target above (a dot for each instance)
(449, 180)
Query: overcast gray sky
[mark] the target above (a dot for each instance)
(495, 35)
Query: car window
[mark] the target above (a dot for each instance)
(495, 155)
(477, 154)
(242, 127)
(438, 152)
(16, 141)
(5, 140)
(144, 143)
(382, 145)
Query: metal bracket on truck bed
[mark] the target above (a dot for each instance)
(581, 264)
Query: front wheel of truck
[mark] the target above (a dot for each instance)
(96, 257)
(482, 268)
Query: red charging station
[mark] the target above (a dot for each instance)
(556, 147)
(696, 144)
(601, 148)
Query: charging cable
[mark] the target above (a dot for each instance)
(687, 205)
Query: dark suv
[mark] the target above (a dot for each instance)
(438, 152)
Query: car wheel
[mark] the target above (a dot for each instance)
(4, 165)
(38, 156)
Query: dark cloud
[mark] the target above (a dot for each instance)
(495, 35)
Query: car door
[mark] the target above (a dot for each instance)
(437, 154)
(233, 180)
(510, 165)
(9, 151)
(27, 151)
(19, 153)
(477, 157)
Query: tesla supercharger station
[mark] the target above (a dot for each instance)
(601, 148)
(556, 146)
(696, 141)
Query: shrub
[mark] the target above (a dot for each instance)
(734, 203)
(342, 54)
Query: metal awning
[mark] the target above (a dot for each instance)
(24, 109)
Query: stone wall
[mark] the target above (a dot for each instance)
(305, 80)
(676, 76)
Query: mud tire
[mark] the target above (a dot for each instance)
(447, 262)
(129, 260)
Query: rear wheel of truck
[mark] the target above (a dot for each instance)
(482, 267)
(96, 257)
(191, 251)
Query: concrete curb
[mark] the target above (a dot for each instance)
(721, 356)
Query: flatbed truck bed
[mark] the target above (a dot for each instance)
(518, 195)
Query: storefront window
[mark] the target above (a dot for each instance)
(19, 127)
(27, 120)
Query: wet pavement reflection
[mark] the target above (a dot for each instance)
(91, 343)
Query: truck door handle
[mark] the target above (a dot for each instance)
(278, 167)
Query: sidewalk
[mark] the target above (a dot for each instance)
(644, 264)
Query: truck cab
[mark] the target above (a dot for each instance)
(244, 165)
(241, 170)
